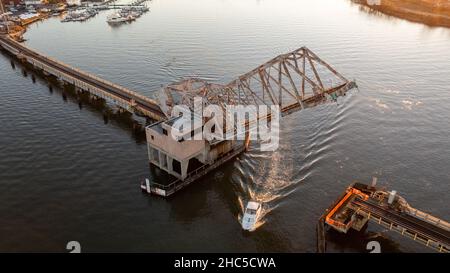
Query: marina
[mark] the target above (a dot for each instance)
(127, 14)
(79, 15)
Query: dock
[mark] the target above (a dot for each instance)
(29, 20)
(361, 203)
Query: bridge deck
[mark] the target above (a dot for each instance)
(418, 229)
(123, 97)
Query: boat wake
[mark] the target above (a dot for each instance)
(270, 178)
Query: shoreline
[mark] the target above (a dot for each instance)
(428, 12)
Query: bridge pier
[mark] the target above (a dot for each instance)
(78, 90)
(321, 236)
(61, 81)
(137, 126)
(121, 110)
(361, 203)
(64, 96)
(21, 58)
(105, 118)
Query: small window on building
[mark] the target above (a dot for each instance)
(181, 140)
(176, 166)
(213, 129)
(154, 154)
(153, 138)
(163, 160)
(165, 132)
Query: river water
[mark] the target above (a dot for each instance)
(66, 174)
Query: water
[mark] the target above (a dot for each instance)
(66, 174)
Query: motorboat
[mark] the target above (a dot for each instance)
(100, 7)
(116, 19)
(251, 215)
(79, 15)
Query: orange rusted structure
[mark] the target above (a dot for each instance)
(361, 203)
(350, 192)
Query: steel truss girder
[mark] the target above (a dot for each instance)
(289, 80)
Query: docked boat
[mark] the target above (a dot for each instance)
(130, 17)
(251, 215)
(126, 14)
(116, 18)
(100, 7)
(79, 15)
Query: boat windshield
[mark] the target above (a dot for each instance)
(251, 211)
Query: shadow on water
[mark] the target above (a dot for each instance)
(357, 241)
(196, 194)
(196, 202)
(428, 23)
(107, 111)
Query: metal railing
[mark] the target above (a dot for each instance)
(406, 231)
(198, 172)
(428, 218)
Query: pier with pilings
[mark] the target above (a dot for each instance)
(360, 204)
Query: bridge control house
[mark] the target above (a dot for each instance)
(183, 158)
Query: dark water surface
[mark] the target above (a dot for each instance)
(66, 175)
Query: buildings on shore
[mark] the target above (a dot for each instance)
(19, 13)
(37, 3)
(11, 2)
